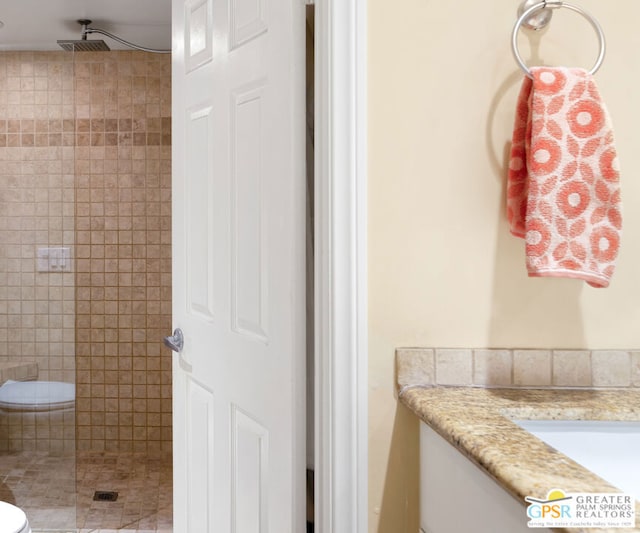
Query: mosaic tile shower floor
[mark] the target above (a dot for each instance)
(45, 487)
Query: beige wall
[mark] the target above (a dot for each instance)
(443, 269)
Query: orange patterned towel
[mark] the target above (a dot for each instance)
(563, 194)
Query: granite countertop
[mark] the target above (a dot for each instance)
(477, 421)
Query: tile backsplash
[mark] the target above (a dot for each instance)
(517, 368)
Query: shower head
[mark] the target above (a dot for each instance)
(83, 44)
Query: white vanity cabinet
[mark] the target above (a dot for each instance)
(456, 496)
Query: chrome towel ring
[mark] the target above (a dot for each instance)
(555, 4)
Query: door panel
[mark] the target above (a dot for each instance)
(250, 474)
(199, 212)
(250, 262)
(247, 21)
(198, 33)
(200, 448)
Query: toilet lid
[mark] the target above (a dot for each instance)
(12, 519)
(37, 394)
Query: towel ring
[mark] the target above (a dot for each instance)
(553, 4)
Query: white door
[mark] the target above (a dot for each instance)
(239, 271)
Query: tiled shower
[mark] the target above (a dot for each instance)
(85, 166)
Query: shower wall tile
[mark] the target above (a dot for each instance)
(37, 195)
(85, 162)
(123, 251)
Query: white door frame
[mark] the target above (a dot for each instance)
(341, 455)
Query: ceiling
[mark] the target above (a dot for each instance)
(38, 24)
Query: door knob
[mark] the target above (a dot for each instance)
(175, 341)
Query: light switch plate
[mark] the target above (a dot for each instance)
(54, 259)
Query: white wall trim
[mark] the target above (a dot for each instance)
(341, 267)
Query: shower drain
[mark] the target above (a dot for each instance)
(105, 496)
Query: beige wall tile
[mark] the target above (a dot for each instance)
(454, 367)
(492, 367)
(415, 366)
(635, 369)
(532, 368)
(121, 183)
(571, 368)
(611, 368)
